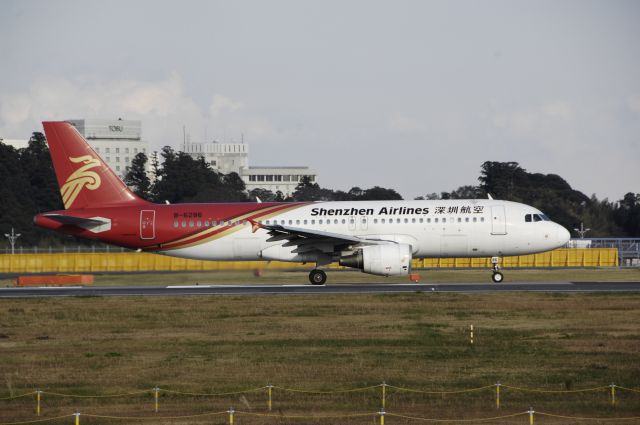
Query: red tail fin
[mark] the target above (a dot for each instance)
(84, 179)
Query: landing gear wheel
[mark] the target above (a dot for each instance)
(317, 277)
(497, 277)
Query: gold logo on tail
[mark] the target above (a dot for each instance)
(79, 179)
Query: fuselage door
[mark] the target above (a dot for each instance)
(498, 221)
(147, 224)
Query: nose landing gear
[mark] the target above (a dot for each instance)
(497, 276)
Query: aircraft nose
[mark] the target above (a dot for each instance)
(562, 235)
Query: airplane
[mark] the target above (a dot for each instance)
(376, 237)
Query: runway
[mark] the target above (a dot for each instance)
(306, 289)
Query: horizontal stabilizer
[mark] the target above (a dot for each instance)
(93, 224)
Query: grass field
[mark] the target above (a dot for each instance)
(103, 346)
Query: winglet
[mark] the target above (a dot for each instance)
(255, 226)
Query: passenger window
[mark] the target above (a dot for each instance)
(206, 223)
(527, 218)
(413, 220)
(406, 220)
(319, 221)
(184, 224)
(466, 219)
(344, 221)
(335, 221)
(435, 220)
(482, 219)
(459, 219)
(313, 222)
(475, 219)
(297, 221)
(305, 222)
(428, 220)
(382, 220)
(290, 222)
(364, 220)
(175, 224)
(191, 224)
(444, 219)
(199, 223)
(375, 221)
(351, 221)
(421, 220)
(398, 220)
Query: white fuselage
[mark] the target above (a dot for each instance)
(433, 228)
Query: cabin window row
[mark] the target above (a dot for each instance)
(421, 220)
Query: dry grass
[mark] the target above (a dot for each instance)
(215, 344)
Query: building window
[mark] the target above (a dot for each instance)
(126, 150)
(269, 178)
(312, 178)
(117, 159)
(118, 168)
(252, 178)
(107, 150)
(117, 150)
(97, 150)
(126, 159)
(108, 159)
(144, 150)
(135, 150)
(286, 178)
(260, 178)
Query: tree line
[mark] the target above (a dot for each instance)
(28, 186)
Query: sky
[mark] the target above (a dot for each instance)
(411, 95)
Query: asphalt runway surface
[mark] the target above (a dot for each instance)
(307, 289)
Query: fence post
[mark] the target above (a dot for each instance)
(38, 397)
(613, 394)
(498, 395)
(230, 411)
(269, 402)
(531, 412)
(77, 415)
(384, 396)
(381, 413)
(156, 390)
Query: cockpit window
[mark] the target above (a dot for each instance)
(535, 217)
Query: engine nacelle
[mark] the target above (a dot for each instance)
(383, 260)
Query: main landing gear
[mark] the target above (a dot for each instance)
(317, 277)
(497, 276)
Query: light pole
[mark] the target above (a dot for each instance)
(12, 239)
(582, 231)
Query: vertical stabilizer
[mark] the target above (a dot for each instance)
(85, 180)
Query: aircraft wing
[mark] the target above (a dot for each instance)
(309, 240)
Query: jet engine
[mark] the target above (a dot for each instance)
(382, 260)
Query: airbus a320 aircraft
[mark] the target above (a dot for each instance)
(377, 237)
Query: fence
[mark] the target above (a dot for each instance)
(383, 390)
(136, 262)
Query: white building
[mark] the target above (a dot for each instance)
(234, 157)
(116, 141)
(223, 157)
(283, 179)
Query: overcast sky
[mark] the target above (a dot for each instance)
(410, 95)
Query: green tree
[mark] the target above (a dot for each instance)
(136, 177)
